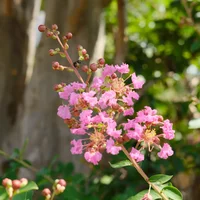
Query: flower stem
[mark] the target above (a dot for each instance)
(70, 60)
(142, 173)
(26, 165)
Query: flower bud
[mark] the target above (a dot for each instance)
(10, 192)
(49, 34)
(93, 67)
(69, 36)
(51, 52)
(85, 68)
(54, 27)
(55, 65)
(16, 184)
(42, 28)
(46, 192)
(84, 51)
(147, 197)
(6, 182)
(62, 182)
(24, 182)
(86, 57)
(101, 61)
(113, 76)
(79, 47)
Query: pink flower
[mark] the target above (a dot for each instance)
(133, 95)
(97, 83)
(136, 82)
(89, 98)
(148, 115)
(167, 130)
(78, 86)
(93, 157)
(136, 155)
(129, 111)
(136, 133)
(77, 148)
(68, 89)
(78, 131)
(166, 151)
(123, 69)
(73, 100)
(111, 148)
(108, 70)
(85, 117)
(107, 99)
(64, 112)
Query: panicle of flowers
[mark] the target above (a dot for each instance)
(91, 109)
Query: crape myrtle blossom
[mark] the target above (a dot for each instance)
(92, 110)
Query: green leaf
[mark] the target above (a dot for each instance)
(3, 194)
(30, 186)
(195, 46)
(24, 196)
(142, 193)
(172, 193)
(160, 178)
(120, 164)
(194, 123)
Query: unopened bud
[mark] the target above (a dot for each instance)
(46, 192)
(55, 65)
(69, 36)
(10, 192)
(85, 68)
(24, 182)
(16, 184)
(86, 57)
(62, 182)
(84, 51)
(121, 109)
(101, 61)
(6, 182)
(54, 27)
(49, 34)
(51, 52)
(113, 76)
(79, 47)
(147, 197)
(42, 28)
(93, 67)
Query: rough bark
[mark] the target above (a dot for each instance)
(47, 134)
(14, 19)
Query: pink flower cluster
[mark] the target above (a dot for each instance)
(92, 110)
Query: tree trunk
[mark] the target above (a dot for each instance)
(47, 134)
(14, 20)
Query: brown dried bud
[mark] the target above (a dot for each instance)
(42, 28)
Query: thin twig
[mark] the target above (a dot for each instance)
(26, 165)
(142, 173)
